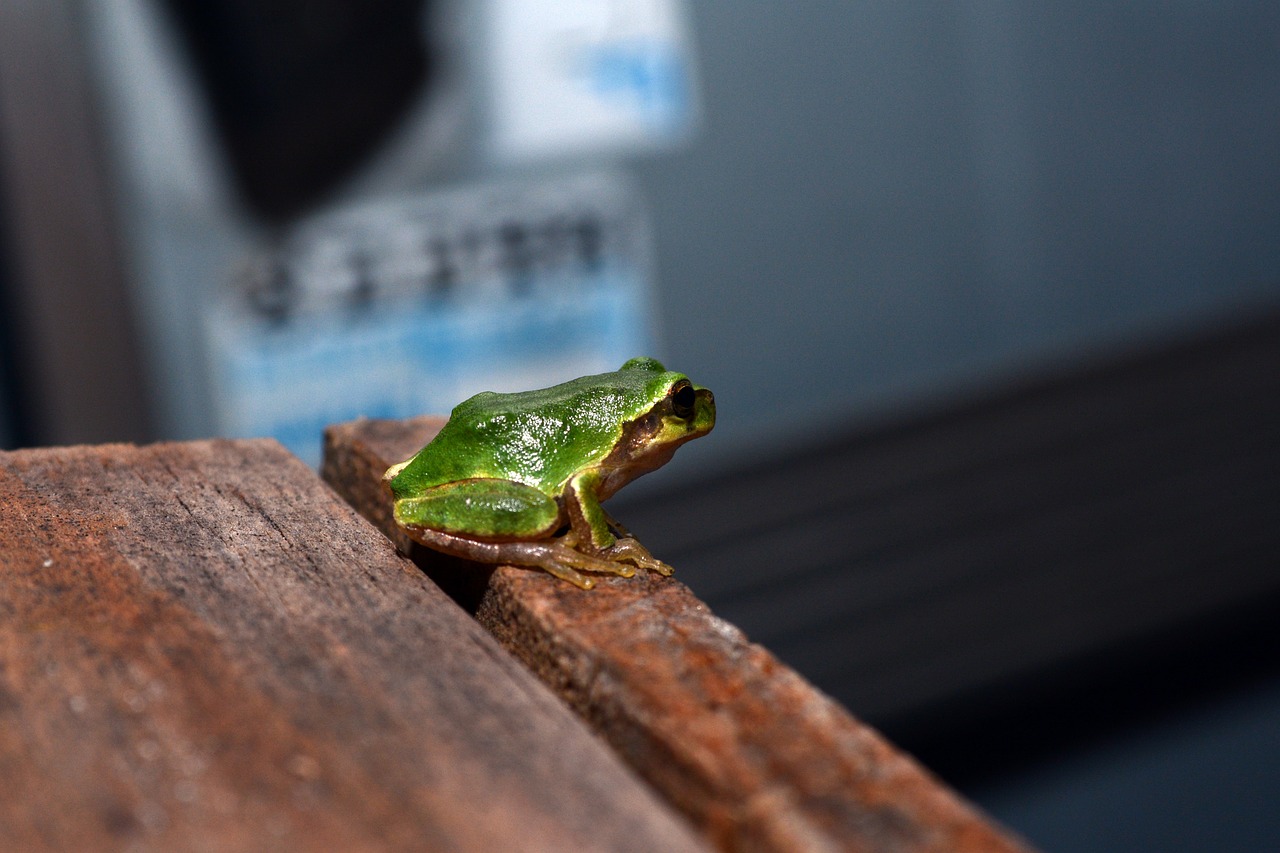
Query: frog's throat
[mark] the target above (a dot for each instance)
(616, 473)
(647, 443)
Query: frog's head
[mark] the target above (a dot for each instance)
(672, 411)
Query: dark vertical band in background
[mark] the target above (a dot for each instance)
(68, 308)
(14, 428)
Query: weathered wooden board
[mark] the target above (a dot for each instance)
(753, 754)
(202, 648)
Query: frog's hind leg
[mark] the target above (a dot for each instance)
(553, 556)
(483, 508)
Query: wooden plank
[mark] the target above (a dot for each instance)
(755, 756)
(202, 648)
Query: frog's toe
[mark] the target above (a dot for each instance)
(655, 565)
(630, 550)
(606, 565)
(567, 574)
(566, 560)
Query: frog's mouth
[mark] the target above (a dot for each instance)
(649, 441)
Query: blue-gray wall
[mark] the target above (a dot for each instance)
(893, 200)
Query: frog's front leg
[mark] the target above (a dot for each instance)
(594, 527)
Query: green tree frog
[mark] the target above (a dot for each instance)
(519, 478)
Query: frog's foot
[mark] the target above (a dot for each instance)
(628, 549)
(567, 563)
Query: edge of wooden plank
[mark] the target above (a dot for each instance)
(753, 754)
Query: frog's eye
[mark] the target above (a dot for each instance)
(682, 400)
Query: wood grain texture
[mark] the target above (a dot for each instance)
(755, 756)
(202, 648)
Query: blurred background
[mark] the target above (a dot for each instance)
(989, 295)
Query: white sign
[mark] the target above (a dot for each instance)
(568, 77)
(408, 307)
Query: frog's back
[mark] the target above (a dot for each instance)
(540, 438)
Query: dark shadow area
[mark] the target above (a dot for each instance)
(1003, 730)
(462, 580)
(302, 93)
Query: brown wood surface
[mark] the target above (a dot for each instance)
(755, 756)
(202, 648)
